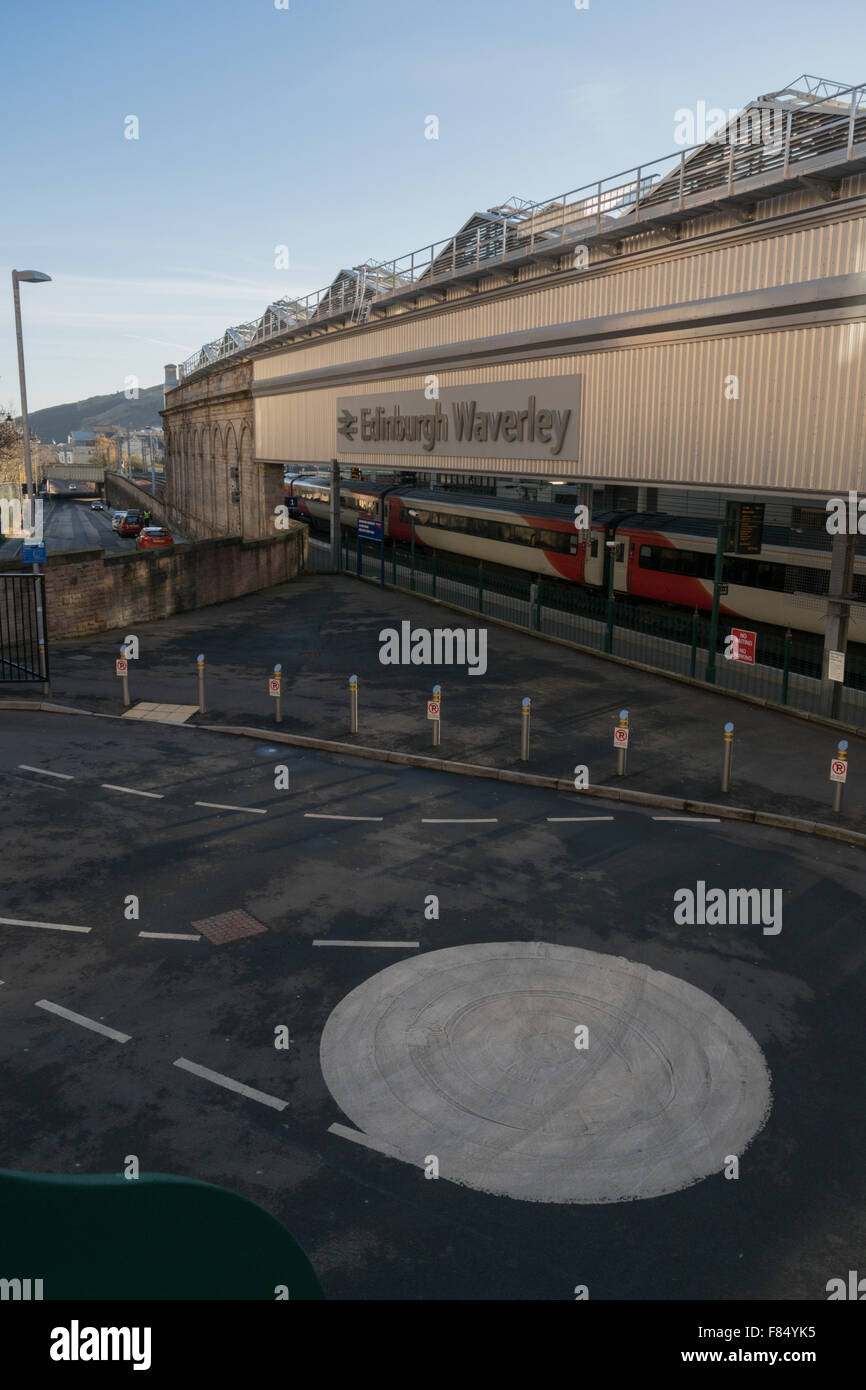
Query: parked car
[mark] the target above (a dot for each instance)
(131, 523)
(152, 536)
(97, 506)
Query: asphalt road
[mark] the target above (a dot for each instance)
(504, 871)
(71, 525)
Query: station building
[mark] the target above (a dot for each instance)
(669, 339)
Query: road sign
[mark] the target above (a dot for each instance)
(432, 709)
(744, 647)
(838, 770)
(836, 666)
(273, 686)
(620, 738)
(120, 666)
(369, 530)
(33, 552)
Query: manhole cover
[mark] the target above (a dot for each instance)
(470, 1054)
(229, 926)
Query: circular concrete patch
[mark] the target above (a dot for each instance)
(469, 1054)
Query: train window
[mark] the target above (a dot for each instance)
(593, 548)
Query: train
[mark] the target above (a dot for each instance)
(656, 558)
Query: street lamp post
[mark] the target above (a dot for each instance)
(30, 277)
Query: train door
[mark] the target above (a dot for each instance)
(621, 555)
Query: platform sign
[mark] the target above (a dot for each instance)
(369, 530)
(120, 666)
(743, 645)
(33, 552)
(838, 770)
(432, 709)
(836, 666)
(745, 523)
(273, 686)
(620, 738)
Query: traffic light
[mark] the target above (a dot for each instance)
(356, 472)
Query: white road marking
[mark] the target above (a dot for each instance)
(44, 772)
(131, 791)
(693, 820)
(578, 819)
(171, 935)
(321, 815)
(358, 1137)
(219, 1080)
(481, 820)
(49, 926)
(395, 945)
(216, 806)
(82, 1021)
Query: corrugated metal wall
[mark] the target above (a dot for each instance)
(658, 412)
(684, 274)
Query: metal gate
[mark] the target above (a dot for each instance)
(23, 636)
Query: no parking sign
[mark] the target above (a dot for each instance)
(838, 770)
(432, 709)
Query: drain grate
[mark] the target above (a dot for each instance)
(228, 926)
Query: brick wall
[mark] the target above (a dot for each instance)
(89, 591)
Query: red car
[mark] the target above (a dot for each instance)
(130, 524)
(152, 536)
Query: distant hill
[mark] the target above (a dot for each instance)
(58, 421)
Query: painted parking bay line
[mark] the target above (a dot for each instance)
(217, 806)
(477, 820)
(46, 926)
(322, 815)
(230, 1084)
(44, 772)
(171, 935)
(131, 791)
(576, 819)
(82, 1021)
(692, 820)
(394, 945)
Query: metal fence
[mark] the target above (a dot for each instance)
(23, 636)
(786, 670)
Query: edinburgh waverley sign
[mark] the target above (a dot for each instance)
(527, 419)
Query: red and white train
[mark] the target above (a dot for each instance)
(658, 558)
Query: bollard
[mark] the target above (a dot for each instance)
(276, 688)
(353, 704)
(526, 709)
(728, 756)
(839, 773)
(200, 663)
(437, 722)
(620, 742)
(121, 667)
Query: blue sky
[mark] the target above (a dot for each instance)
(304, 127)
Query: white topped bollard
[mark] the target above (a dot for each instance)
(121, 667)
(353, 704)
(728, 756)
(275, 686)
(620, 742)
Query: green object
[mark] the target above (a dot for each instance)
(608, 636)
(538, 606)
(151, 1237)
(717, 590)
(786, 667)
(393, 564)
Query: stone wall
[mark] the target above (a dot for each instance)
(90, 591)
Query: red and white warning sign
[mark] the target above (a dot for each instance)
(743, 645)
(432, 709)
(273, 686)
(120, 665)
(838, 770)
(620, 737)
